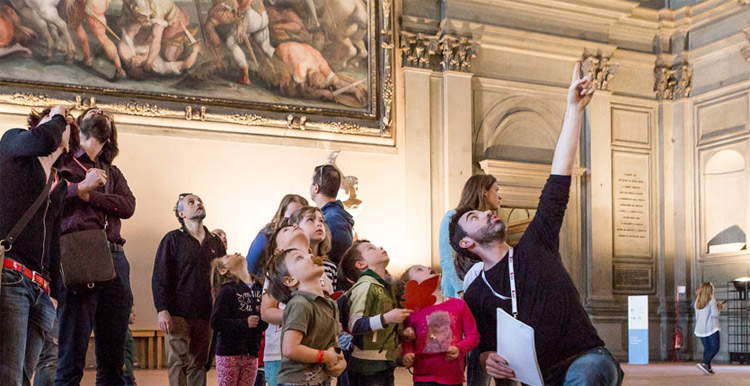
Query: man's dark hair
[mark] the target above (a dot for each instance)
(178, 207)
(464, 258)
(102, 127)
(328, 178)
(277, 272)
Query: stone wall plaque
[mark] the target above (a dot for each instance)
(631, 205)
(632, 278)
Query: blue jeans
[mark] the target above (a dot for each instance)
(272, 372)
(595, 367)
(26, 316)
(47, 365)
(711, 346)
(105, 309)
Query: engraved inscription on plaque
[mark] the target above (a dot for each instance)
(631, 204)
(632, 277)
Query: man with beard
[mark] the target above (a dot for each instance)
(530, 281)
(182, 291)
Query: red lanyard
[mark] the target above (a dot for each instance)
(57, 179)
(85, 169)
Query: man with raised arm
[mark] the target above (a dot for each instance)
(569, 350)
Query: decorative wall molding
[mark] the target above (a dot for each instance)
(673, 83)
(598, 66)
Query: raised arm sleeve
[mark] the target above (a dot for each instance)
(545, 227)
(37, 142)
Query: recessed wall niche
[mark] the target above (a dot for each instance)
(725, 202)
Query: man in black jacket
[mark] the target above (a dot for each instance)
(31, 269)
(182, 291)
(530, 280)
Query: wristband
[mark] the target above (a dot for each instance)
(382, 319)
(321, 354)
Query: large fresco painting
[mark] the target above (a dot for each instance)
(328, 58)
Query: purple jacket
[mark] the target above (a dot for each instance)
(111, 207)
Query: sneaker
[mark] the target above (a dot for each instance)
(710, 370)
(704, 368)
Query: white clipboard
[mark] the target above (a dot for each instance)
(515, 343)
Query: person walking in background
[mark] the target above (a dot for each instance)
(707, 324)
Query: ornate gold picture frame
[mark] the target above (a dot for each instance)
(307, 70)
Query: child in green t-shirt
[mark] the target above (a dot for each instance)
(310, 324)
(374, 316)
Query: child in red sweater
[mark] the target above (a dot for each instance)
(445, 333)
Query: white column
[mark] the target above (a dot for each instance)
(457, 134)
(416, 150)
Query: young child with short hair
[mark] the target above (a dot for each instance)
(374, 317)
(445, 332)
(310, 323)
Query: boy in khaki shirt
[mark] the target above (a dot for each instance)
(310, 329)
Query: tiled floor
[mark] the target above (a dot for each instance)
(661, 374)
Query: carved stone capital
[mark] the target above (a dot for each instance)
(684, 77)
(673, 83)
(599, 68)
(664, 84)
(442, 51)
(418, 49)
(456, 52)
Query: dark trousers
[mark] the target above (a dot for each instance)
(188, 342)
(383, 378)
(432, 384)
(711, 346)
(105, 309)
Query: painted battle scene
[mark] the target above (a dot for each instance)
(304, 53)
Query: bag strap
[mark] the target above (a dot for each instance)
(21, 224)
